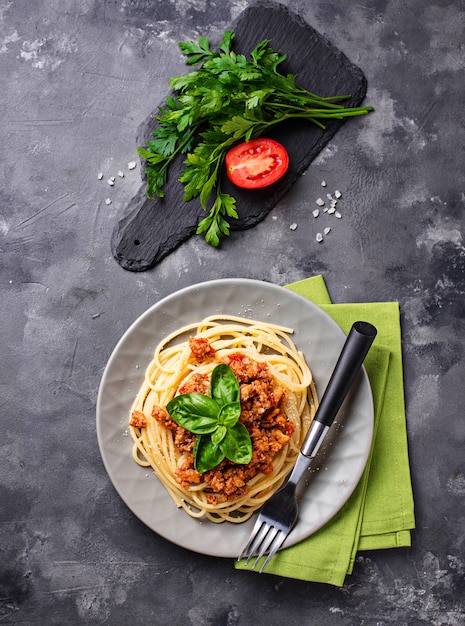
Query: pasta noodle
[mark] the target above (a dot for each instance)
(173, 365)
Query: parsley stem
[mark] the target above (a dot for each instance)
(335, 110)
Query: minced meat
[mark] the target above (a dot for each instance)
(138, 420)
(262, 412)
(201, 348)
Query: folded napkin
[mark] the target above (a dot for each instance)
(380, 512)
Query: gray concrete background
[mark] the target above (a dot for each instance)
(77, 80)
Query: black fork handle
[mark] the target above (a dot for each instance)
(354, 351)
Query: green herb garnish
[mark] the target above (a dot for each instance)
(215, 419)
(227, 100)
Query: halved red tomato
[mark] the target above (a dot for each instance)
(256, 163)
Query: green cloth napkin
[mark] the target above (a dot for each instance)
(380, 512)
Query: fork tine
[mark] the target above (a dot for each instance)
(246, 549)
(268, 539)
(277, 543)
(258, 534)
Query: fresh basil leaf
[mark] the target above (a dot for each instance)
(219, 434)
(206, 454)
(195, 412)
(224, 386)
(237, 445)
(229, 414)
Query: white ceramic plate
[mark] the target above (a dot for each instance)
(335, 471)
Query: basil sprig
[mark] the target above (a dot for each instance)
(215, 419)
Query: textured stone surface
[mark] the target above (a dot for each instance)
(78, 78)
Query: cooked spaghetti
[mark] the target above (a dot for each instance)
(278, 402)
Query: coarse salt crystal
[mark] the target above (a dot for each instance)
(316, 212)
(121, 174)
(111, 182)
(320, 202)
(338, 215)
(323, 183)
(327, 230)
(319, 237)
(331, 210)
(108, 201)
(329, 196)
(337, 193)
(293, 226)
(131, 165)
(100, 175)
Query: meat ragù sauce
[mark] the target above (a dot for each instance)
(262, 412)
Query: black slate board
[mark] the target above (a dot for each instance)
(151, 229)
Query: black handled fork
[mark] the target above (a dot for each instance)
(279, 515)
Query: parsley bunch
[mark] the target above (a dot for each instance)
(227, 100)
